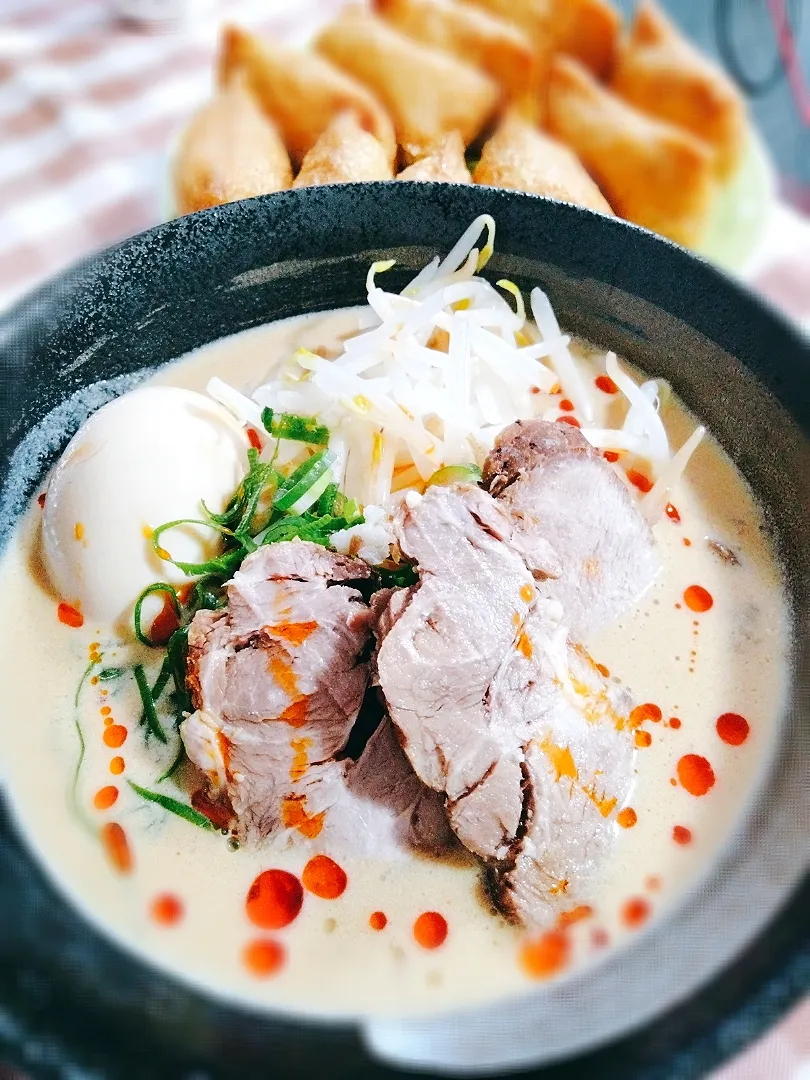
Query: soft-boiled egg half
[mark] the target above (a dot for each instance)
(146, 458)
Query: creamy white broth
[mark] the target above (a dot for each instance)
(693, 666)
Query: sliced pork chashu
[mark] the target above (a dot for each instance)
(558, 486)
(277, 679)
(496, 708)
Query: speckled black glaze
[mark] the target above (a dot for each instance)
(71, 1005)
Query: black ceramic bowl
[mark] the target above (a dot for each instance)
(738, 953)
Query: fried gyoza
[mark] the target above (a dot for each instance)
(446, 163)
(427, 92)
(300, 91)
(521, 157)
(652, 172)
(498, 47)
(587, 29)
(345, 153)
(664, 75)
(229, 151)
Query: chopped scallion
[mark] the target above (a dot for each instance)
(304, 429)
(327, 499)
(221, 564)
(150, 716)
(302, 479)
(110, 673)
(174, 806)
(155, 587)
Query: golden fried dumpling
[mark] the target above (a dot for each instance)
(587, 29)
(652, 172)
(492, 44)
(344, 154)
(427, 92)
(445, 163)
(664, 75)
(229, 151)
(300, 91)
(521, 157)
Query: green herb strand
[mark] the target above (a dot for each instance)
(213, 566)
(175, 763)
(155, 587)
(150, 716)
(326, 502)
(174, 806)
(110, 673)
(296, 428)
(74, 790)
(298, 483)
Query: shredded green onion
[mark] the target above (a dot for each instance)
(175, 663)
(347, 509)
(110, 673)
(174, 806)
(301, 480)
(221, 564)
(455, 474)
(175, 763)
(150, 716)
(155, 587)
(326, 502)
(161, 682)
(296, 428)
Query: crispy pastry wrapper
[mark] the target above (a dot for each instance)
(445, 163)
(345, 153)
(229, 151)
(586, 29)
(520, 156)
(651, 172)
(300, 91)
(427, 92)
(664, 75)
(492, 44)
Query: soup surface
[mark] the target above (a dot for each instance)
(704, 653)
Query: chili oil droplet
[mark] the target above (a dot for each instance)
(606, 384)
(547, 955)
(167, 909)
(115, 843)
(323, 877)
(640, 480)
(69, 616)
(695, 774)
(430, 930)
(263, 957)
(697, 598)
(114, 736)
(105, 797)
(732, 728)
(635, 911)
(274, 899)
(627, 817)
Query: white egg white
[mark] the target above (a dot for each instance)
(144, 459)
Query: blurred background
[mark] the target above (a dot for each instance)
(94, 94)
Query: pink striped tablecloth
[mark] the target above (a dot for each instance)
(88, 107)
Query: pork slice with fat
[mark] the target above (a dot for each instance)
(559, 487)
(497, 709)
(277, 679)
